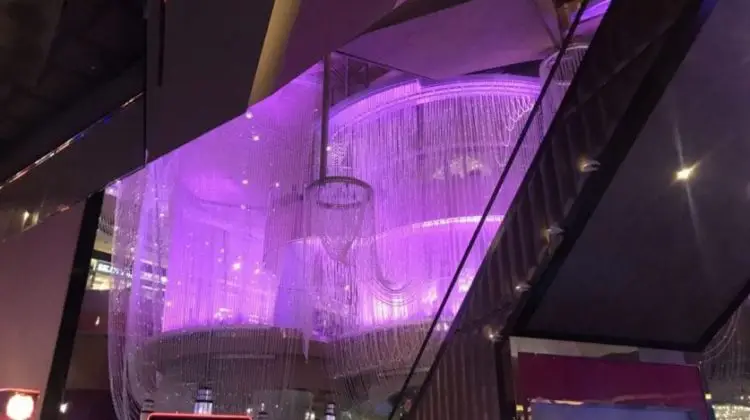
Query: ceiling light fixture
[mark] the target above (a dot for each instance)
(685, 173)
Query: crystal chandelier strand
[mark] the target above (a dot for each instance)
(432, 163)
(231, 281)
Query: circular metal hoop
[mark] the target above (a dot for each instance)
(328, 202)
(337, 210)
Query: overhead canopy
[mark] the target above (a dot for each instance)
(470, 37)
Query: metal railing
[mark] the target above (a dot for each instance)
(471, 318)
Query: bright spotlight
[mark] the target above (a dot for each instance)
(19, 407)
(685, 173)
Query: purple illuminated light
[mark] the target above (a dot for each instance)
(432, 153)
(225, 214)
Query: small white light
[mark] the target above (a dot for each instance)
(552, 232)
(64, 408)
(97, 321)
(19, 407)
(277, 185)
(249, 115)
(685, 173)
(256, 137)
(521, 287)
(491, 333)
(236, 266)
(245, 182)
(328, 148)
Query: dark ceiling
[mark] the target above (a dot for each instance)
(93, 42)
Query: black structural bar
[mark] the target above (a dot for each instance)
(505, 385)
(666, 54)
(53, 393)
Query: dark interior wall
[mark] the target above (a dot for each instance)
(89, 369)
(89, 404)
(35, 269)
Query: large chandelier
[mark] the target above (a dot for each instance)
(227, 281)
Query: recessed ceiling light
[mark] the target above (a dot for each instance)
(685, 173)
